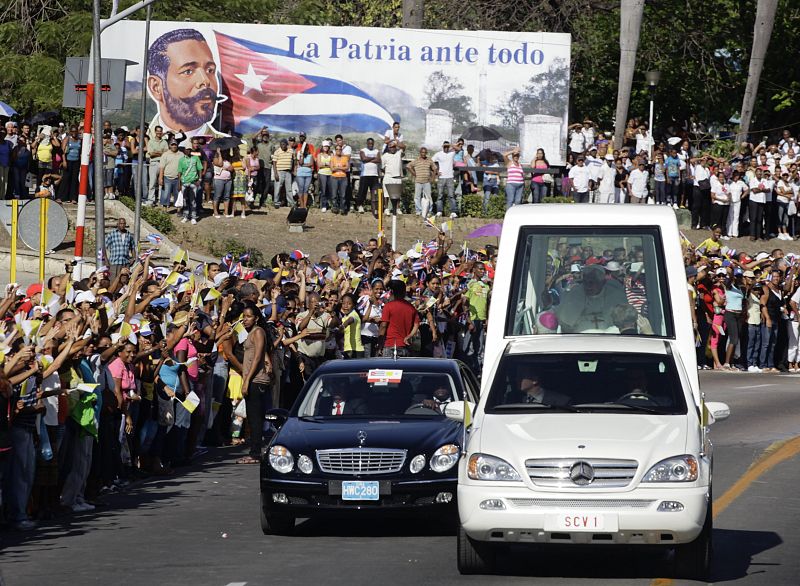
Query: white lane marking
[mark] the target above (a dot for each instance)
(236, 584)
(757, 386)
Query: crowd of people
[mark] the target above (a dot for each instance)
(747, 314)
(136, 369)
(753, 191)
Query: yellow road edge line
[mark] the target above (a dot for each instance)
(776, 453)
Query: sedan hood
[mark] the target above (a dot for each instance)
(414, 435)
(644, 438)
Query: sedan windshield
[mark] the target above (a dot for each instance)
(378, 393)
(555, 383)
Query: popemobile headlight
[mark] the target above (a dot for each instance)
(304, 464)
(485, 467)
(417, 464)
(677, 469)
(281, 459)
(445, 458)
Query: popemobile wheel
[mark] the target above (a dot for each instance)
(474, 557)
(693, 560)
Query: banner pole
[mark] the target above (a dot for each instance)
(380, 217)
(14, 226)
(42, 236)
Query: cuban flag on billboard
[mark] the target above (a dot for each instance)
(273, 87)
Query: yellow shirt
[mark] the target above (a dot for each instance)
(44, 152)
(352, 333)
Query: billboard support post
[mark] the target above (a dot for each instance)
(141, 188)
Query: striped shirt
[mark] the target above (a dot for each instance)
(515, 174)
(283, 159)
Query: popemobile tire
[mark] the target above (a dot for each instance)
(693, 560)
(474, 557)
(276, 524)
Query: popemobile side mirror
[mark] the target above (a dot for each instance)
(454, 410)
(719, 411)
(277, 417)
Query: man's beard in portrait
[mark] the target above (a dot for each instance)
(184, 110)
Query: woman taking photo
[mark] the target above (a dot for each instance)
(256, 369)
(539, 165)
(325, 175)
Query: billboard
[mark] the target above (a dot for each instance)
(217, 78)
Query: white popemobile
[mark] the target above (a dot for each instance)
(591, 428)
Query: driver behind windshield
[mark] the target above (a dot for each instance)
(527, 388)
(441, 397)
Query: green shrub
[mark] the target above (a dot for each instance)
(158, 219)
(472, 206)
(237, 249)
(557, 199)
(497, 207)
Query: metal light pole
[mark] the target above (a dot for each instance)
(93, 106)
(137, 222)
(652, 77)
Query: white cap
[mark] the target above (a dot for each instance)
(413, 253)
(613, 266)
(85, 296)
(219, 278)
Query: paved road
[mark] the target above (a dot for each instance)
(202, 527)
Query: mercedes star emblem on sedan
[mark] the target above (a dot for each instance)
(362, 436)
(581, 473)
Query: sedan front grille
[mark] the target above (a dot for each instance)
(582, 503)
(361, 460)
(555, 473)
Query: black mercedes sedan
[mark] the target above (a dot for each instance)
(365, 436)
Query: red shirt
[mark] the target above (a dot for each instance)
(400, 317)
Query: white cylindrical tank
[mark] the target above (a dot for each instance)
(438, 128)
(539, 131)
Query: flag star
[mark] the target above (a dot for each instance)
(251, 80)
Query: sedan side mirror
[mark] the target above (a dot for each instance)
(719, 411)
(277, 417)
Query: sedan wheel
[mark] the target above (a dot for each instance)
(276, 524)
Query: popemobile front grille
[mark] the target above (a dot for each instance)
(361, 460)
(555, 473)
(582, 503)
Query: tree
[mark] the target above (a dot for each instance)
(630, 25)
(445, 92)
(765, 19)
(545, 93)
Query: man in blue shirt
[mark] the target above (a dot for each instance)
(121, 248)
(673, 168)
(5, 162)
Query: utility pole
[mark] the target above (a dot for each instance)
(93, 107)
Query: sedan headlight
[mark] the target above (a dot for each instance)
(677, 469)
(417, 464)
(304, 464)
(281, 459)
(485, 467)
(445, 458)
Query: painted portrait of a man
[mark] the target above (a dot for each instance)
(183, 80)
